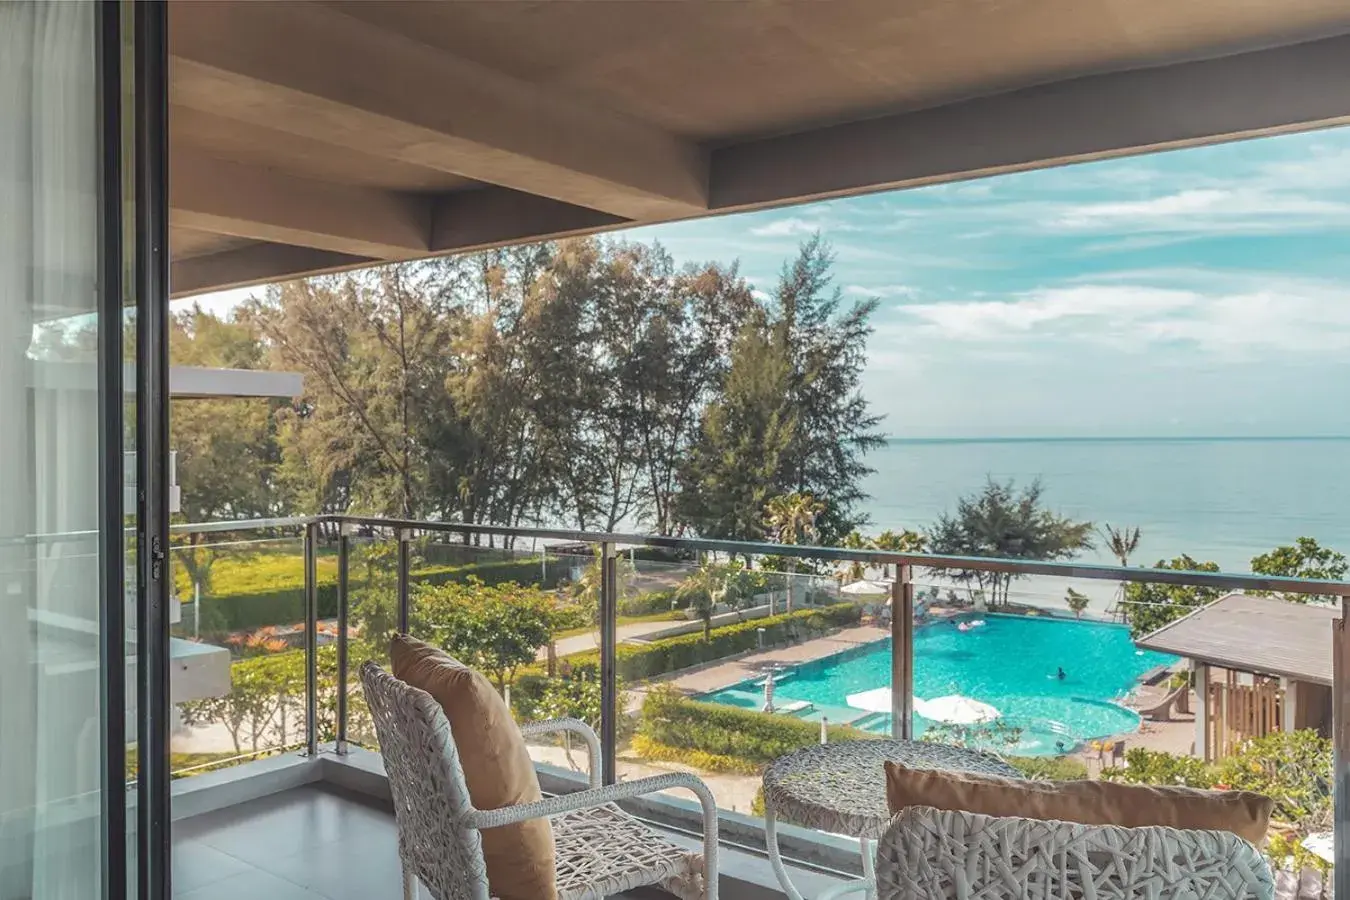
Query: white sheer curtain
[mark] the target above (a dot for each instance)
(49, 776)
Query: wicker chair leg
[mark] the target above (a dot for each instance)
(409, 885)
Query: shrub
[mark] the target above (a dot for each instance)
(1158, 767)
(270, 589)
(1049, 768)
(648, 604)
(754, 738)
(650, 750)
(1292, 768)
(638, 662)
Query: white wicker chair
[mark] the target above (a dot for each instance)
(929, 853)
(601, 850)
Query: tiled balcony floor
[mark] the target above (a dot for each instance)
(309, 843)
(320, 842)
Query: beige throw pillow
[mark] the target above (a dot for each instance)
(497, 767)
(1244, 813)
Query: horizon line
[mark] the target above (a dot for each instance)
(993, 439)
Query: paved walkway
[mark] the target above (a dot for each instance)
(579, 643)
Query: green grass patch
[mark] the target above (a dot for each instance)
(649, 750)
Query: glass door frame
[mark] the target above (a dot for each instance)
(114, 809)
(132, 66)
(151, 179)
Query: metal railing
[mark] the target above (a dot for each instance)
(405, 532)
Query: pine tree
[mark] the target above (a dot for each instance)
(734, 469)
(826, 349)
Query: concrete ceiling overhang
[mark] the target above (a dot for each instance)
(315, 136)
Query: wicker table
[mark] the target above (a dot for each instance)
(841, 788)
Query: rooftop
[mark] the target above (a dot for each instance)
(1253, 634)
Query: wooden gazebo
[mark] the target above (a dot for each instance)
(1260, 665)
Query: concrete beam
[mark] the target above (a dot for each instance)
(1244, 95)
(226, 197)
(257, 264)
(462, 221)
(426, 107)
(492, 217)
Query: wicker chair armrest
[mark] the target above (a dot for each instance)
(555, 806)
(571, 726)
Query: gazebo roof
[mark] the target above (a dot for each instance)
(1253, 634)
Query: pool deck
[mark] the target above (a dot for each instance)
(721, 674)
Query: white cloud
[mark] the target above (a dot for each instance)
(1323, 168)
(881, 290)
(1205, 209)
(997, 320)
(799, 226)
(1235, 317)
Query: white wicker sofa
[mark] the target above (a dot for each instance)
(600, 849)
(928, 854)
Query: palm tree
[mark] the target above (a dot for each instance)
(904, 541)
(854, 570)
(791, 519)
(1122, 542)
(703, 590)
(585, 590)
(1077, 602)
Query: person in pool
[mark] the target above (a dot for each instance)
(1060, 673)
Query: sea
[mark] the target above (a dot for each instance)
(1219, 499)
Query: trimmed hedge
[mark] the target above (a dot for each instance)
(637, 662)
(233, 610)
(754, 738)
(649, 603)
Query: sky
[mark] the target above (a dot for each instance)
(1199, 292)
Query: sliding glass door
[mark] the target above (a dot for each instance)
(75, 499)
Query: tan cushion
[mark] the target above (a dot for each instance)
(1244, 813)
(497, 767)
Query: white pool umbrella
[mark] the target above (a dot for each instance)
(955, 709)
(877, 700)
(866, 589)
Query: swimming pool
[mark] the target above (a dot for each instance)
(1009, 662)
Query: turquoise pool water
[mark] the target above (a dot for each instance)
(1009, 662)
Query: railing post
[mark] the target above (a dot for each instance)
(1340, 731)
(344, 560)
(404, 549)
(609, 639)
(311, 640)
(902, 653)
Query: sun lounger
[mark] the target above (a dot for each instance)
(1155, 675)
(1161, 712)
(795, 706)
